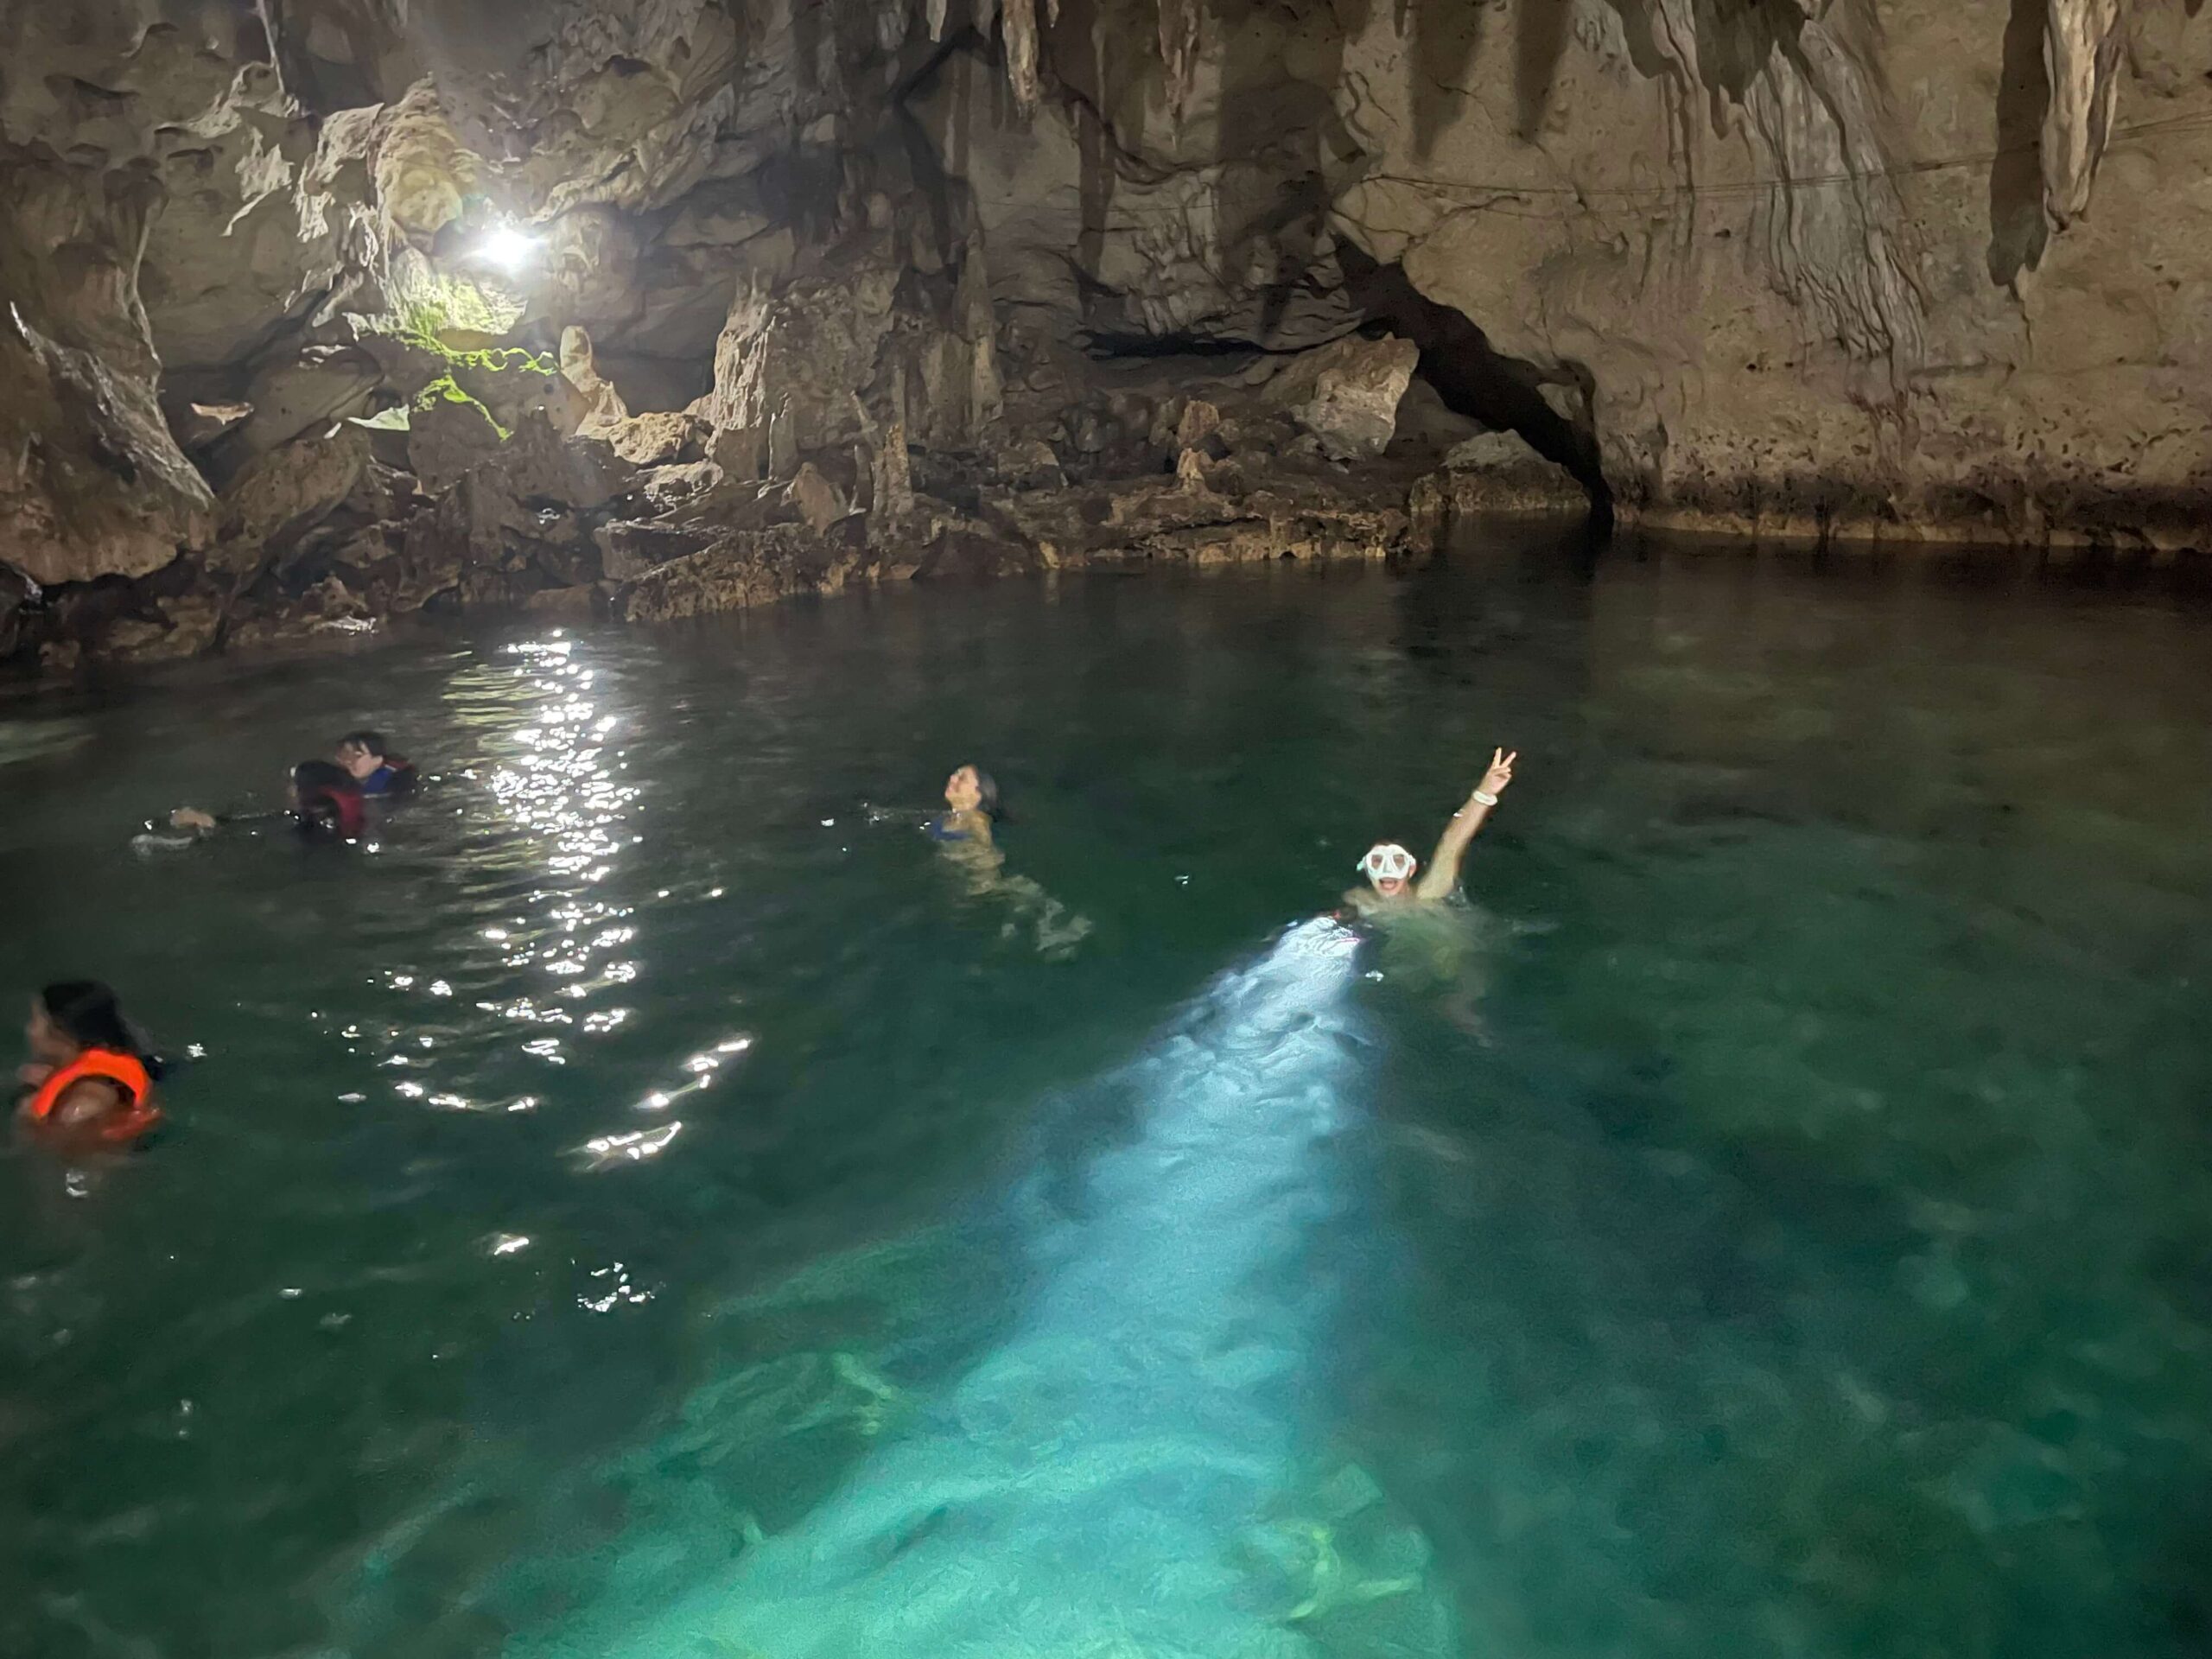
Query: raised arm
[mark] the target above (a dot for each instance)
(1443, 873)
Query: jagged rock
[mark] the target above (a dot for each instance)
(1162, 516)
(91, 484)
(657, 439)
(529, 506)
(250, 231)
(787, 364)
(196, 426)
(536, 464)
(297, 626)
(628, 549)
(604, 410)
(945, 378)
(393, 567)
(509, 381)
(308, 392)
(664, 438)
(331, 601)
(1188, 257)
(384, 493)
(667, 488)
(179, 627)
(449, 434)
(580, 601)
(1031, 464)
(1199, 421)
(280, 496)
(1492, 472)
(1500, 470)
(817, 501)
(18, 595)
(891, 474)
(747, 568)
(1346, 393)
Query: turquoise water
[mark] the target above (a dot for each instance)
(651, 1202)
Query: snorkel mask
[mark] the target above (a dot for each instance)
(1387, 862)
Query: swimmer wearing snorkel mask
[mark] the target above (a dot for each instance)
(1390, 870)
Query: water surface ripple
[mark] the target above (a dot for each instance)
(646, 1201)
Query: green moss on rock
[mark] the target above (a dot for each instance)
(445, 389)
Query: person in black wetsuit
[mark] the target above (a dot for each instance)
(373, 766)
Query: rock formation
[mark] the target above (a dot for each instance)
(321, 312)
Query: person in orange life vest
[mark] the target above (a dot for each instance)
(323, 799)
(373, 766)
(90, 1080)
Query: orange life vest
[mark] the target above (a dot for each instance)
(138, 1112)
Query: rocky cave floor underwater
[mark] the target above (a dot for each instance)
(646, 1200)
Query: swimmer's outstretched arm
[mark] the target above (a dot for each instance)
(191, 817)
(1443, 873)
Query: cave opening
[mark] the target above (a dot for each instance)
(1474, 379)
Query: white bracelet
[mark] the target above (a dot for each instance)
(1484, 797)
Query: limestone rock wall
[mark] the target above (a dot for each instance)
(868, 267)
(1798, 265)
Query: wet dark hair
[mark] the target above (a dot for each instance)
(368, 742)
(324, 788)
(988, 787)
(88, 1014)
(310, 775)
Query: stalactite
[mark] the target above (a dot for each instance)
(2083, 47)
(935, 12)
(1178, 47)
(1019, 19)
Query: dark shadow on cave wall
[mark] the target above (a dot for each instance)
(1447, 39)
(1303, 150)
(1539, 42)
(2017, 226)
(1275, 139)
(1735, 38)
(1474, 379)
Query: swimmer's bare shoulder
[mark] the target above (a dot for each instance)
(1369, 905)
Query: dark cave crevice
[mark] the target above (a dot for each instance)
(1474, 379)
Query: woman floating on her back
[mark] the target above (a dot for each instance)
(971, 802)
(965, 831)
(91, 1079)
